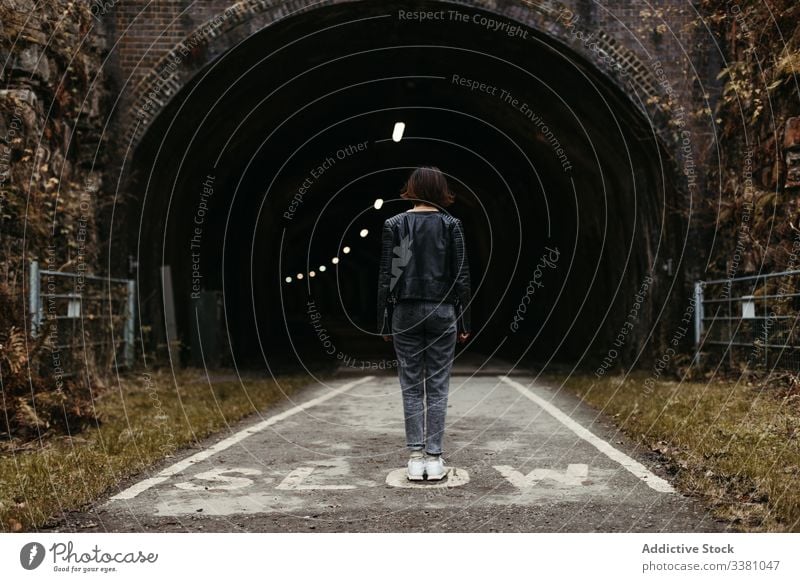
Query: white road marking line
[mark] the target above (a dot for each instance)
(572, 477)
(637, 469)
(138, 488)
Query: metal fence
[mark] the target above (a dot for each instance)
(84, 314)
(750, 320)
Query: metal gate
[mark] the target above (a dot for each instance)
(750, 320)
(84, 314)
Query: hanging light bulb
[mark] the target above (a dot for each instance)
(397, 134)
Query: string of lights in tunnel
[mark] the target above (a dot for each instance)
(335, 260)
(397, 135)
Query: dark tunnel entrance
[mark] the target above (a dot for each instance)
(270, 162)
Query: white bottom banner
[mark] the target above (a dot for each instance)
(395, 557)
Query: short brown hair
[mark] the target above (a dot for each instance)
(428, 184)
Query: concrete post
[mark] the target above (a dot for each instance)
(34, 298)
(130, 324)
(698, 319)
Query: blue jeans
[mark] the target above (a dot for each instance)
(424, 336)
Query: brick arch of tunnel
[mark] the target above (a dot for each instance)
(267, 156)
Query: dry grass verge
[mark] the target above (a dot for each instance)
(147, 418)
(736, 445)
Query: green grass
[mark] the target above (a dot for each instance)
(737, 446)
(142, 422)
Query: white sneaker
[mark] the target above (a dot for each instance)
(416, 466)
(434, 467)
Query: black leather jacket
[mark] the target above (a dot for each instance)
(423, 257)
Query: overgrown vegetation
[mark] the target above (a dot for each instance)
(756, 205)
(51, 106)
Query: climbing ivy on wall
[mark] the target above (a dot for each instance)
(51, 112)
(753, 198)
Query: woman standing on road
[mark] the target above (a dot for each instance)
(424, 307)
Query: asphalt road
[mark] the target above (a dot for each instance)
(523, 458)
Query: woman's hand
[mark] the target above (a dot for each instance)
(463, 336)
(387, 338)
